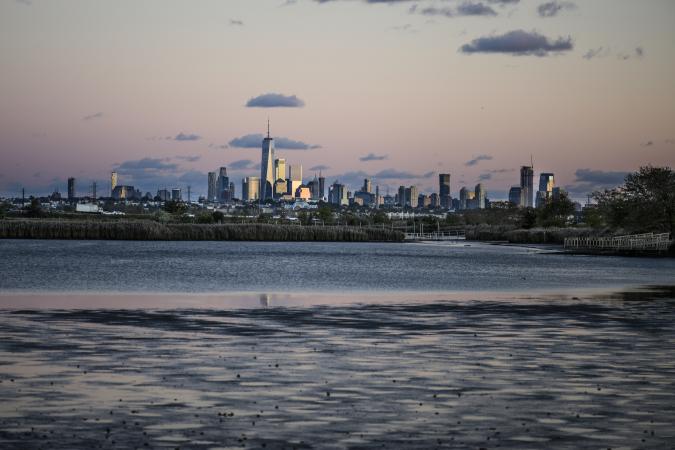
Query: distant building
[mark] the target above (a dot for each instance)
(212, 190)
(516, 196)
(444, 190)
(322, 186)
(280, 169)
(176, 195)
(250, 189)
(267, 178)
(411, 196)
(295, 176)
(434, 200)
(113, 182)
(401, 196)
(164, 195)
(303, 193)
(367, 186)
(87, 207)
(314, 187)
(423, 201)
(338, 195)
(71, 189)
(280, 188)
(223, 184)
(122, 192)
(480, 196)
(546, 185)
(463, 198)
(526, 186)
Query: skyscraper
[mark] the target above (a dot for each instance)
(463, 198)
(480, 196)
(322, 186)
(71, 189)
(223, 184)
(546, 185)
(295, 176)
(516, 196)
(267, 167)
(250, 189)
(367, 186)
(279, 169)
(113, 182)
(526, 185)
(444, 189)
(212, 187)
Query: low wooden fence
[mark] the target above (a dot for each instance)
(648, 242)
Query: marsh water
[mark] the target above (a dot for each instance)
(328, 345)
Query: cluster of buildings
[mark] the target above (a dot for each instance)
(283, 183)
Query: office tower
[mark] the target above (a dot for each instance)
(338, 194)
(314, 188)
(212, 187)
(250, 189)
(367, 186)
(295, 175)
(302, 193)
(423, 201)
(556, 193)
(267, 180)
(223, 185)
(516, 196)
(280, 188)
(232, 193)
(176, 195)
(322, 186)
(546, 185)
(113, 182)
(480, 195)
(411, 196)
(434, 201)
(163, 194)
(463, 198)
(401, 196)
(71, 189)
(444, 189)
(526, 185)
(279, 169)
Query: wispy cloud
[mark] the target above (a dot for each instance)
(97, 115)
(189, 158)
(477, 159)
(219, 146)
(373, 157)
(186, 137)
(637, 53)
(599, 52)
(273, 100)
(552, 8)
(243, 164)
(518, 43)
(236, 23)
(319, 167)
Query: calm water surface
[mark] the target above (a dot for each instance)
(389, 346)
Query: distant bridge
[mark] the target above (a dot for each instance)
(457, 235)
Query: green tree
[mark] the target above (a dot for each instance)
(35, 209)
(325, 214)
(175, 207)
(555, 212)
(4, 207)
(380, 217)
(528, 218)
(644, 203)
(205, 218)
(218, 216)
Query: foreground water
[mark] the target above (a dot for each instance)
(520, 355)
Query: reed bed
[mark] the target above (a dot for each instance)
(154, 231)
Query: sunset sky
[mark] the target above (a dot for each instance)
(166, 90)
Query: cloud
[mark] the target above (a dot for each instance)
(477, 159)
(395, 174)
(485, 176)
(637, 53)
(189, 158)
(373, 157)
(186, 137)
(319, 167)
(518, 43)
(243, 164)
(467, 8)
(97, 115)
(647, 144)
(282, 143)
(551, 9)
(157, 164)
(218, 146)
(273, 100)
(236, 23)
(669, 141)
(475, 9)
(600, 177)
(24, 2)
(599, 52)
(193, 177)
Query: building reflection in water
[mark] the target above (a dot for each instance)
(265, 300)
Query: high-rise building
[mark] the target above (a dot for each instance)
(546, 185)
(411, 196)
(267, 178)
(322, 186)
(212, 187)
(232, 192)
(444, 189)
(250, 189)
(367, 186)
(527, 185)
(314, 188)
(480, 195)
(338, 194)
(223, 184)
(71, 189)
(176, 195)
(113, 182)
(463, 198)
(516, 196)
(434, 201)
(295, 176)
(401, 196)
(279, 169)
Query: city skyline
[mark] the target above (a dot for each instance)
(399, 96)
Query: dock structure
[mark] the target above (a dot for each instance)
(648, 243)
(457, 235)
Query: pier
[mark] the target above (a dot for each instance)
(457, 235)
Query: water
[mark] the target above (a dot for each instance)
(217, 267)
(337, 346)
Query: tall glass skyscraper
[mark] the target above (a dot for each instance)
(526, 185)
(267, 167)
(444, 189)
